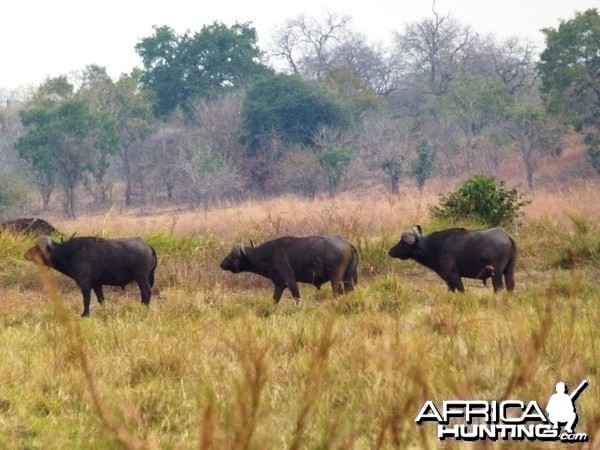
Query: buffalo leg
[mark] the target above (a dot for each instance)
(293, 285)
(87, 293)
(278, 292)
(337, 283)
(99, 294)
(455, 283)
(509, 275)
(287, 278)
(145, 291)
(350, 277)
(497, 281)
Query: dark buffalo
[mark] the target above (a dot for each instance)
(289, 260)
(457, 252)
(30, 225)
(94, 262)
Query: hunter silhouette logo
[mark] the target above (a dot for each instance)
(561, 406)
(473, 420)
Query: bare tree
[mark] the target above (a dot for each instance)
(512, 62)
(534, 135)
(306, 44)
(438, 49)
(386, 145)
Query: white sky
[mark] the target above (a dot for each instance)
(47, 38)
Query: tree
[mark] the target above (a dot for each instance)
(65, 137)
(386, 145)
(12, 193)
(462, 117)
(569, 68)
(179, 69)
(299, 172)
(534, 134)
(306, 44)
(131, 108)
(436, 50)
(422, 167)
(334, 155)
(353, 93)
(290, 108)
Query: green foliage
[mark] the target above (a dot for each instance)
(422, 167)
(473, 103)
(13, 193)
(291, 108)
(569, 67)
(354, 92)
(66, 137)
(592, 142)
(483, 201)
(335, 161)
(187, 246)
(179, 69)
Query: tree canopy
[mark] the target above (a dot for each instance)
(65, 138)
(181, 68)
(291, 108)
(570, 68)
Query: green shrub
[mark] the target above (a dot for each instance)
(482, 201)
(12, 193)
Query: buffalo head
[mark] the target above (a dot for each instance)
(40, 252)
(233, 261)
(409, 245)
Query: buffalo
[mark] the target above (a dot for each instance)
(457, 252)
(29, 225)
(93, 262)
(289, 260)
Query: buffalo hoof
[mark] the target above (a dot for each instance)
(297, 300)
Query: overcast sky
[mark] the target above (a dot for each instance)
(48, 38)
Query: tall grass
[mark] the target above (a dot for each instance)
(214, 364)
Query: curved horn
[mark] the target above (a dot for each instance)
(239, 250)
(409, 237)
(44, 243)
(420, 230)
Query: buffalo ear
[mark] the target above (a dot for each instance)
(62, 237)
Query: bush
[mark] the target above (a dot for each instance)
(483, 201)
(13, 194)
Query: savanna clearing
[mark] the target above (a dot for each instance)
(213, 363)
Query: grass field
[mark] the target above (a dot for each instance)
(213, 363)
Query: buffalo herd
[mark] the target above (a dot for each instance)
(453, 254)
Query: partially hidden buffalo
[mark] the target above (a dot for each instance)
(457, 253)
(93, 262)
(30, 225)
(289, 260)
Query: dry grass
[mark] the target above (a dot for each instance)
(213, 363)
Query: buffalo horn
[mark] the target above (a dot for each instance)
(44, 243)
(409, 237)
